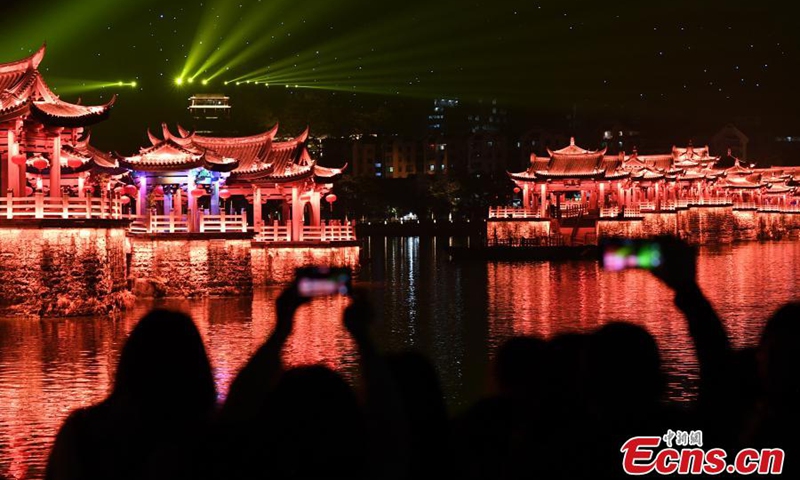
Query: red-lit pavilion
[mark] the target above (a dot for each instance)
(45, 155)
(574, 181)
(204, 172)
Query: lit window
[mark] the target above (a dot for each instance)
(432, 167)
(391, 169)
(607, 134)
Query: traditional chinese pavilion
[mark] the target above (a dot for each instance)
(46, 160)
(183, 181)
(576, 187)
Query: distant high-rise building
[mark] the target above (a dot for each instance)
(487, 116)
(442, 119)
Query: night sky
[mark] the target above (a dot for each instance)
(686, 65)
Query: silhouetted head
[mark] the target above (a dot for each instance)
(779, 353)
(317, 423)
(164, 366)
(566, 368)
(420, 392)
(625, 367)
(519, 366)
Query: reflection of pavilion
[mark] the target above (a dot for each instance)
(184, 184)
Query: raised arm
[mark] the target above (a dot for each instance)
(679, 272)
(254, 382)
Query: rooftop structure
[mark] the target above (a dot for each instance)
(45, 155)
(210, 106)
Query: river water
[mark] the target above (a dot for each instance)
(456, 313)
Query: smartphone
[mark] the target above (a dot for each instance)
(323, 281)
(622, 253)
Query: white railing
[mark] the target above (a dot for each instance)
(274, 233)
(609, 212)
(222, 223)
(328, 233)
(705, 202)
(647, 206)
(681, 204)
(779, 208)
(745, 206)
(510, 212)
(38, 206)
(308, 233)
(613, 212)
(171, 223)
(669, 206)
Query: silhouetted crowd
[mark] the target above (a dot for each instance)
(560, 408)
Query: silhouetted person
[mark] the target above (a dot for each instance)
(625, 389)
(495, 438)
(152, 423)
(314, 427)
(776, 421)
(306, 422)
(423, 404)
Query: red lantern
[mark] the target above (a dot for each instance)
(74, 162)
(40, 163)
(28, 191)
(517, 190)
(125, 200)
(158, 190)
(225, 194)
(199, 191)
(131, 190)
(331, 198)
(19, 159)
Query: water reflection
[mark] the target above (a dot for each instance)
(456, 313)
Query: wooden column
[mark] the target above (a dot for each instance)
(316, 214)
(55, 166)
(191, 207)
(526, 196)
(257, 221)
(178, 202)
(215, 196)
(601, 200)
(11, 179)
(543, 206)
(81, 185)
(141, 201)
(297, 215)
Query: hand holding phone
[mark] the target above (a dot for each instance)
(323, 281)
(620, 254)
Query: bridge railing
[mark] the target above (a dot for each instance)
(745, 206)
(511, 212)
(37, 206)
(172, 223)
(222, 223)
